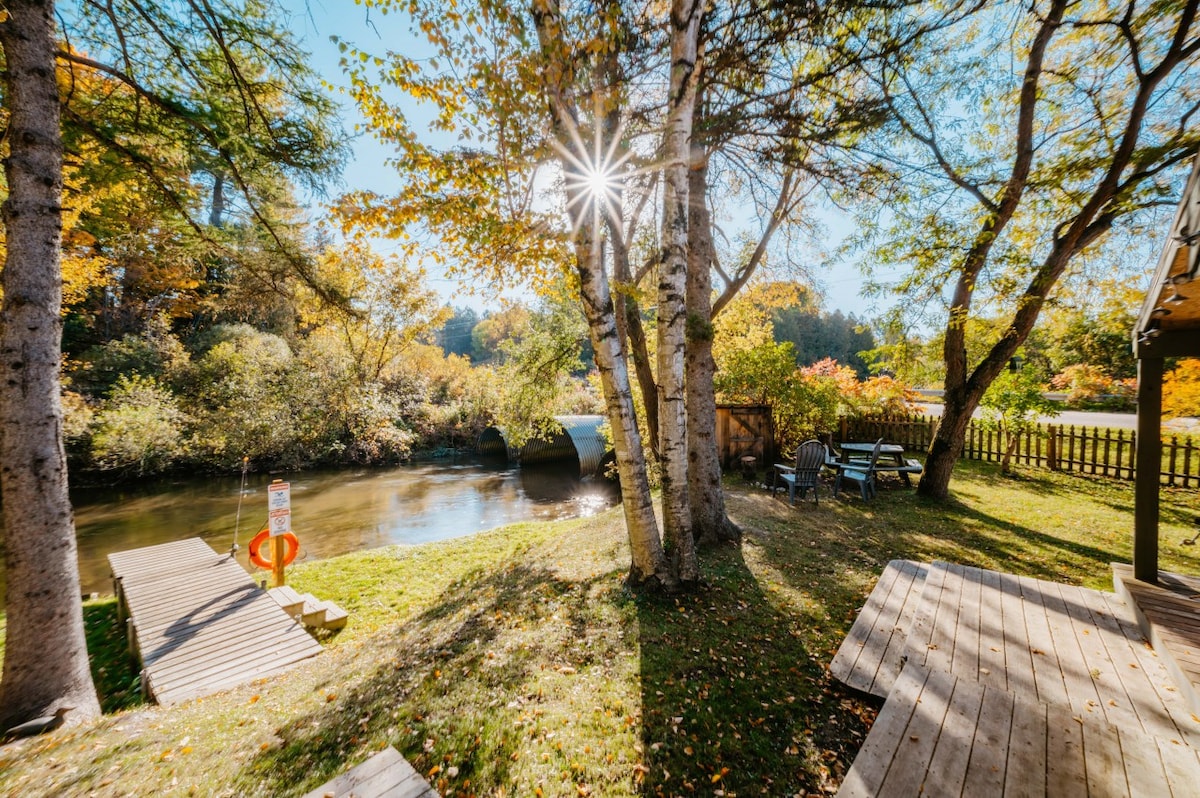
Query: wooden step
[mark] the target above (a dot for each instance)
(335, 616)
(313, 612)
(287, 598)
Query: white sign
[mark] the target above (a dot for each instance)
(279, 508)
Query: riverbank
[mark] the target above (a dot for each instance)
(515, 662)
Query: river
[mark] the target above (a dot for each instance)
(333, 512)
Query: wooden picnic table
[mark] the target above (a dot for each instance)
(891, 458)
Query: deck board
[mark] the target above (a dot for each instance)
(870, 657)
(1169, 615)
(1080, 651)
(201, 622)
(934, 721)
(385, 774)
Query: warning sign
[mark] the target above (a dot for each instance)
(279, 508)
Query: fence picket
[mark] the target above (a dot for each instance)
(1083, 450)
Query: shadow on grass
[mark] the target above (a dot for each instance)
(735, 693)
(455, 690)
(113, 668)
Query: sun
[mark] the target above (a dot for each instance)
(599, 182)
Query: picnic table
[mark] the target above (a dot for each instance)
(891, 458)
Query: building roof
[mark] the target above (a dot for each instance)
(1169, 323)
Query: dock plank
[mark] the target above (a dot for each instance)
(385, 774)
(948, 767)
(201, 622)
(989, 747)
(870, 767)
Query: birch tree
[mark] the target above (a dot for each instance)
(672, 286)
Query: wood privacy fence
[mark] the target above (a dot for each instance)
(1083, 450)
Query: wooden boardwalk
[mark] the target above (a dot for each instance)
(385, 774)
(1031, 679)
(199, 622)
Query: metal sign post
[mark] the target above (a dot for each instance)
(279, 518)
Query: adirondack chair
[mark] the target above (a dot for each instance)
(804, 474)
(861, 472)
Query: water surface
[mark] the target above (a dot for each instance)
(333, 512)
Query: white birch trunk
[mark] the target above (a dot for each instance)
(672, 292)
(646, 551)
(710, 522)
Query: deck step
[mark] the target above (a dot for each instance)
(313, 611)
(1054, 643)
(335, 616)
(942, 735)
(385, 774)
(1168, 614)
(287, 598)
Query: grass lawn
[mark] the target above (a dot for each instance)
(516, 663)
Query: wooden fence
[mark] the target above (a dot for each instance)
(1083, 450)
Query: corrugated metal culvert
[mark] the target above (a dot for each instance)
(579, 441)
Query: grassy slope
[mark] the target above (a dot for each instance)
(515, 663)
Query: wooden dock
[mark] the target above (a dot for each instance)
(385, 774)
(1008, 685)
(199, 623)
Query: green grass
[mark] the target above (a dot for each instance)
(516, 663)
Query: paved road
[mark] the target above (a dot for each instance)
(1067, 417)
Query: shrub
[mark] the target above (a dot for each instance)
(139, 429)
(1181, 389)
(1084, 384)
(155, 353)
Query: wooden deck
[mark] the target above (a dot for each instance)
(871, 656)
(1168, 614)
(1053, 643)
(385, 774)
(941, 735)
(199, 623)
(1012, 686)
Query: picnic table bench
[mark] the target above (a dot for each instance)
(891, 458)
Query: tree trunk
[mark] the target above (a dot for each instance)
(646, 550)
(649, 564)
(947, 444)
(45, 657)
(216, 215)
(672, 292)
(633, 333)
(710, 523)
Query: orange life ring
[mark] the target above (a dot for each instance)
(290, 550)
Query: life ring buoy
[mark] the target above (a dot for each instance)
(263, 559)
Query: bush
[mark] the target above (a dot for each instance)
(1089, 386)
(1181, 390)
(139, 429)
(155, 353)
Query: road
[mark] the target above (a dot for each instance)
(1077, 418)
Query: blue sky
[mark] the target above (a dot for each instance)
(314, 22)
